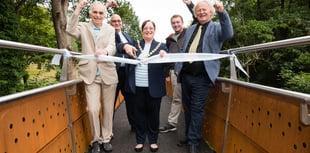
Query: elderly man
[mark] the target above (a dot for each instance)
(122, 38)
(97, 38)
(198, 77)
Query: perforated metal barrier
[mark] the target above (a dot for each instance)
(246, 118)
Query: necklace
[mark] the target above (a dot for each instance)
(151, 52)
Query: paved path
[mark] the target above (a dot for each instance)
(124, 139)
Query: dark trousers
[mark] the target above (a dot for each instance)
(195, 90)
(146, 115)
(120, 87)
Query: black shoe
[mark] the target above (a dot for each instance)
(153, 149)
(107, 147)
(182, 143)
(95, 147)
(193, 149)
(167, 128)
(139, 149)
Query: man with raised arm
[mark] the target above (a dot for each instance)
(100, 78)
(197, 78)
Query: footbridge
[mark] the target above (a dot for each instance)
(241, 117)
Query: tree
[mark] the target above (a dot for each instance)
(59, 13)
(12, 63)
(271, 21)
(130, 20)
(25, 22)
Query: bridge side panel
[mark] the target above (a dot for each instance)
(259, 121)
(30, 123)
(61, 143)
(272, 121)
(80, 122)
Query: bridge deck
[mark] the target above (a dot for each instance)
(124, 140)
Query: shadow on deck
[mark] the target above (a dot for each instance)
(124, 140)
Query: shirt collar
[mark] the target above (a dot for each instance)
(94, 27)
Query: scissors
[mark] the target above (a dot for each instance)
(135, 55)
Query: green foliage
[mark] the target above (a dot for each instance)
(38, 30)
(12, 70)
(130, 20)
(296, 82)
(37, 25)
(31, 25)
(12, 63)
(264, 21)
(254, 31)
(254, 22)
(293, 67)
(40, 77)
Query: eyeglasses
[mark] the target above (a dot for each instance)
(116, 21)
(96, 12)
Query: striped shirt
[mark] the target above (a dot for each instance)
(142, 79)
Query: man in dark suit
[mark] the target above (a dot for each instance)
(121, 38)
(198, 77)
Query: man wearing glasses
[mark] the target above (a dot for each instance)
(122, 38)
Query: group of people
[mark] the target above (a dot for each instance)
(144, 85)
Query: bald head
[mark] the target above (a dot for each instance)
(116, 22)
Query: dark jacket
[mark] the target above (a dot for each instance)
(214, 37)
(174, 46)
(119, 46)
(156, 73)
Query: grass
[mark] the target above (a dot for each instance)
(40, 77)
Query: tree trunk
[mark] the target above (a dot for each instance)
(59, 12)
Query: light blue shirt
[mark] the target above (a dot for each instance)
(96, 32)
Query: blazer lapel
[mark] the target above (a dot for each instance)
(117, 38)
(91, 33)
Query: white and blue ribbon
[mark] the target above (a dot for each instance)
(167, 58)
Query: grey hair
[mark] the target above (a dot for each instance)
(100, 4)
(210, 6)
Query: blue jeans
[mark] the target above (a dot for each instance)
(195, 90)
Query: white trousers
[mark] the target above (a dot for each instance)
(101, 133)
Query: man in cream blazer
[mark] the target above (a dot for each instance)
(97, 38)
